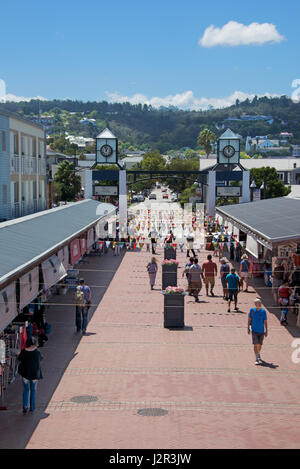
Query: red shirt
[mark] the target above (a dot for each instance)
(209, 268)
(284, 292)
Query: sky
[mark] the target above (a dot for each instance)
(186, 53)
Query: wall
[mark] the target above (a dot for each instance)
(5, 211)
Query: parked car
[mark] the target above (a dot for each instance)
(140, 198)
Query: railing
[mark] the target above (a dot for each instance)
(27, 165)
(15, 164)
(16, 210)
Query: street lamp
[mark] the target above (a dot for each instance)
(263, 188)
(252, 187)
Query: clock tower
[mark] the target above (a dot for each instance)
(228, 149)
(106, 148)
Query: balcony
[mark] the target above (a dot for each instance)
(15, 164)
(16, 210)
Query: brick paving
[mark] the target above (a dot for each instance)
(204, 375)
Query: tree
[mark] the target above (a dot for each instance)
(205, 139)
(274, 187)
(67, 182)
(245, 156)
(188, 154)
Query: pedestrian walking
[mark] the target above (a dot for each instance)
(30, 371)
(210, 270)
(258, 326)
(244, 271)
(224, 271)
(152, 269)
(186, 273)
(284, 293)
(233, 288)
(153, 244)
(190, 245)
(82, 309)
(117, 248)
(195, 274)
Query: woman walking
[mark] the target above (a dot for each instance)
(152, 270)
(30, 370)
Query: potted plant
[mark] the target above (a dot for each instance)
(173, 307)
(169, 273)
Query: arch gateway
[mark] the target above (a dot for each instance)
(227, 178)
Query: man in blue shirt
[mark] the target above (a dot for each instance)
(233, 288)
(257, 320)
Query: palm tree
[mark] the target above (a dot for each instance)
(205, 139)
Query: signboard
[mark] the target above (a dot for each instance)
(229, 191)
(106, 190)
(72, 278)
(75, 251)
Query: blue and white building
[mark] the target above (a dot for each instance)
(23, 180)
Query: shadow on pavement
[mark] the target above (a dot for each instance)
(17, 429)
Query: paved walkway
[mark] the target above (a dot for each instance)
(203, 376)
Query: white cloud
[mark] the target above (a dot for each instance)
(185, 101)
(17, 99)
(12, 97)
(237, 34)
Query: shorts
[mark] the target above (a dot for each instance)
(224, 283)
(257, 338)
(209, 280)
(244, 274)
(196, 285)
(232, 295)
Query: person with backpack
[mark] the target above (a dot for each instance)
(82, 300)
(258, 326)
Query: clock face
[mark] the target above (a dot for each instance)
(228, 151)
(106, 150)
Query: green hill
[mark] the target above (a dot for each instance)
(143, 127)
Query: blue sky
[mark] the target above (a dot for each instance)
(145, 50)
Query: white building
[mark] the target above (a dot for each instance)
(22, 166)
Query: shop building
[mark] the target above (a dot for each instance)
(22, 166)
(267, 230)
(39, 254)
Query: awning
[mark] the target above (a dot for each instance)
(82, 246)
(75, 251)
(8, 305)
(29, 287)
(63, 256)
(90, 238)
(53, 271)
(252, 246)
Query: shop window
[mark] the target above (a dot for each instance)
(3, 139)
(4, 194)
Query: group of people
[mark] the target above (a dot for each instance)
(232, 283)
(286, 290)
